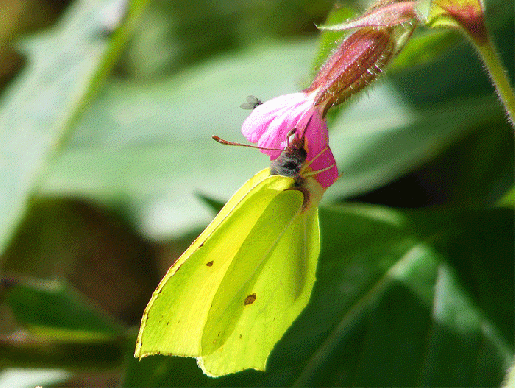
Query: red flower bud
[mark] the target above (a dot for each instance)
(358, 61)
(362, 56)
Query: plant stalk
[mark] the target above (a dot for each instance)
(499, 77)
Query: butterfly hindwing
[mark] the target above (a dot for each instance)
(278, 292)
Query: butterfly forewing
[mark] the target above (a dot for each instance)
(174, 320)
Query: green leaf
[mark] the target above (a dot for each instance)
(461, 340)
(44, 308)
(58, 327)
(423, 48)
(67, 66)
(379, 141)
(508, 199)
(477, 244)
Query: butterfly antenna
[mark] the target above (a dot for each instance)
(231, 143)
(252, 103)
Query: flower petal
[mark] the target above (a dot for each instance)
(316, 142)
(326, 159)
(270, 124)
(268, 118)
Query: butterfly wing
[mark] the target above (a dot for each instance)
(267, 286)
(175, 318)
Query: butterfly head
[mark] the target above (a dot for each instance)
(290, 162)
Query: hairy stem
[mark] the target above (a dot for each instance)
(499, 77)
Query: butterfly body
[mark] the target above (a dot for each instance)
(290, 162)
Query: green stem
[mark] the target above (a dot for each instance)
(499, 77)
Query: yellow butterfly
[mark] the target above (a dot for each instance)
(235, 291)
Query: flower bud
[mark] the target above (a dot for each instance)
(357, 62)
(362, 56)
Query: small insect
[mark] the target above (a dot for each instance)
(252, 103)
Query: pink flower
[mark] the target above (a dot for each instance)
(270, 123)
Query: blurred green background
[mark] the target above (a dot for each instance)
(106, 160)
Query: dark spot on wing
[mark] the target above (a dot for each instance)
(241, 336)
(210, 263)
(249, 299)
